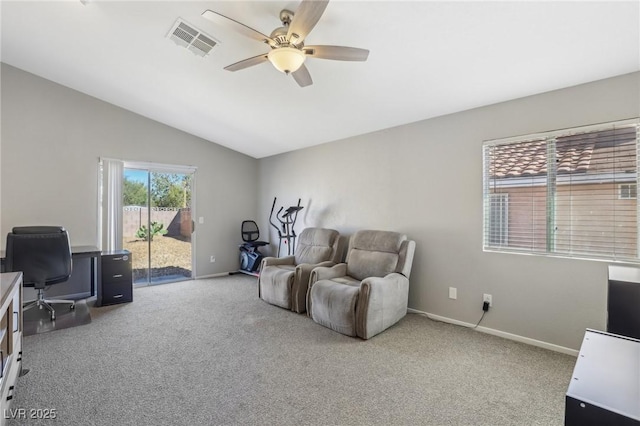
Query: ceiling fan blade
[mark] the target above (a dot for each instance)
(304, 19)
(246, 63)
(302, 76)
(232, 24)
(338, 53)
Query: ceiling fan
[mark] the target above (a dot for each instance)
(288, 51)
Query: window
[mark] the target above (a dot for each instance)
(628, 191)
(567, 193)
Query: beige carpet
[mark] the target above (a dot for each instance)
(210, 352)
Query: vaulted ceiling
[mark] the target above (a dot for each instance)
(427, 58)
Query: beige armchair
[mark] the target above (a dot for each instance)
(367, 294)
(283, 281)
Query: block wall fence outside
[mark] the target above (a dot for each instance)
(177, 221)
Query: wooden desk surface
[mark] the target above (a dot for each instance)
(80, 285)
(84, 249)
(75, 250)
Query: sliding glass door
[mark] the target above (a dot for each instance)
(156, 223)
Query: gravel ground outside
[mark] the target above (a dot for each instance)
(169, 256)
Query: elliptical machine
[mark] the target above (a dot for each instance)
(250, 256)
(286, 231)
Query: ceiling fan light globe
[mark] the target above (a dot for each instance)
(286, 59)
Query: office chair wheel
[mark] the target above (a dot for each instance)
(72, 307)
(53, 316)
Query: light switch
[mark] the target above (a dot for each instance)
(201, 220)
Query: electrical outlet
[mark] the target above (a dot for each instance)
(212, 259)
(487, 298)
(453, 293)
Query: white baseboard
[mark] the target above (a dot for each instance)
(499, 333)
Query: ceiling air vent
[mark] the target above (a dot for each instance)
(188, 36)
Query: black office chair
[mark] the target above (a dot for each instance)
(43, 254)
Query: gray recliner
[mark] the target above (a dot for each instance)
(367, 294)
(283, 281)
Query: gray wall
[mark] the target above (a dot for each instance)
(52, 138)
(425, 179)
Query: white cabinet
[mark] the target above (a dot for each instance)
(10, 338)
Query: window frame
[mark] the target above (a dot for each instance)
(549, 181)
(631, 189)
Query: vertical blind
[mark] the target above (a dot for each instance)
(111, 203)
(570, 193)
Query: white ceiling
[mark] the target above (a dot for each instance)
(427, 59)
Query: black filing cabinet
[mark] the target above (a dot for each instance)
(623, 302)
(117, 278)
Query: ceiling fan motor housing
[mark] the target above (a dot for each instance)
(286, 56)
(280, 36)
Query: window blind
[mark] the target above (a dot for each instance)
(568, 193)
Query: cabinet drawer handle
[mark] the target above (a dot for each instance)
(116, 258)
(117, 276)
(117, 296)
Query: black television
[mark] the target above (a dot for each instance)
(623, 301)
